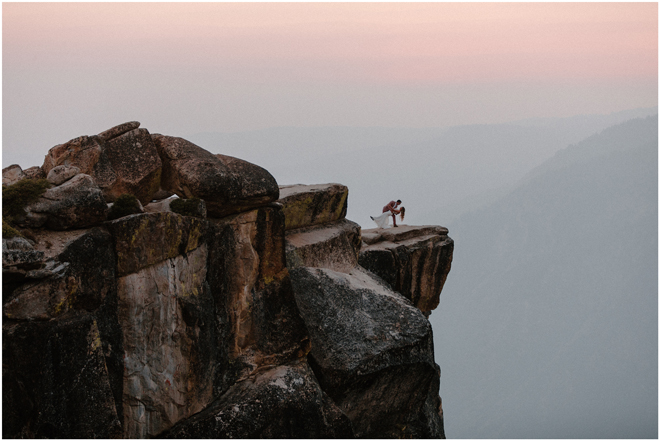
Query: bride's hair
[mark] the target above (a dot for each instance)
(403, 212)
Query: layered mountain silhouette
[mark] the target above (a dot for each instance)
(548, 326)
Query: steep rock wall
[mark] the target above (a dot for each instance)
(372, 349)
(255, 322)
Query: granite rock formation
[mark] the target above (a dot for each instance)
(307, 205)
(253, 320)
(414, 261)
(228, 185)
(121, 160)
(372, 349)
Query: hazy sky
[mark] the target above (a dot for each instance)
(72, 69)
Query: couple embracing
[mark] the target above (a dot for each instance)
(389, 210)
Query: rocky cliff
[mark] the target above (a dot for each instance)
(259, 312)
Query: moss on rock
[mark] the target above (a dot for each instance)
(188, 207)
(8, 231)
(19, 195)
(125, 205)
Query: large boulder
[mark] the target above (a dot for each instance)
(136, 164)
(77, 203)
(413, 260)
(282, 402)
(334, 246)
(121, 160)
(307, 205)
(84, 152)
(372, 352)
(228, 185)
(35, 172)
(62, 173)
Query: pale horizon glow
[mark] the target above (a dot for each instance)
(180, 68)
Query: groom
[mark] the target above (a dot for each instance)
(391, 207)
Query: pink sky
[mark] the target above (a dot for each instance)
(373, 42)
(236, 66)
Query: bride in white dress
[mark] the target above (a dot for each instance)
(383, 220)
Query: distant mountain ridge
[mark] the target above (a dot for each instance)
(434, 171)
(554, 294)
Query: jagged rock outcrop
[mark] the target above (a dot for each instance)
(413, 260)
(372, 350)
(230, 323)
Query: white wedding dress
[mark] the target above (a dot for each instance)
(383, 220)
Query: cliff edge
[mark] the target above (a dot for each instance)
(153, 289)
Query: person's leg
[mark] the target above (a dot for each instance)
(394, 219)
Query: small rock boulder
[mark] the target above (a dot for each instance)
(62, 173)
(228, 185)
(12, 174)
(118, 130)
(78, 203)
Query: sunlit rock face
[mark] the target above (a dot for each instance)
(251, 319)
